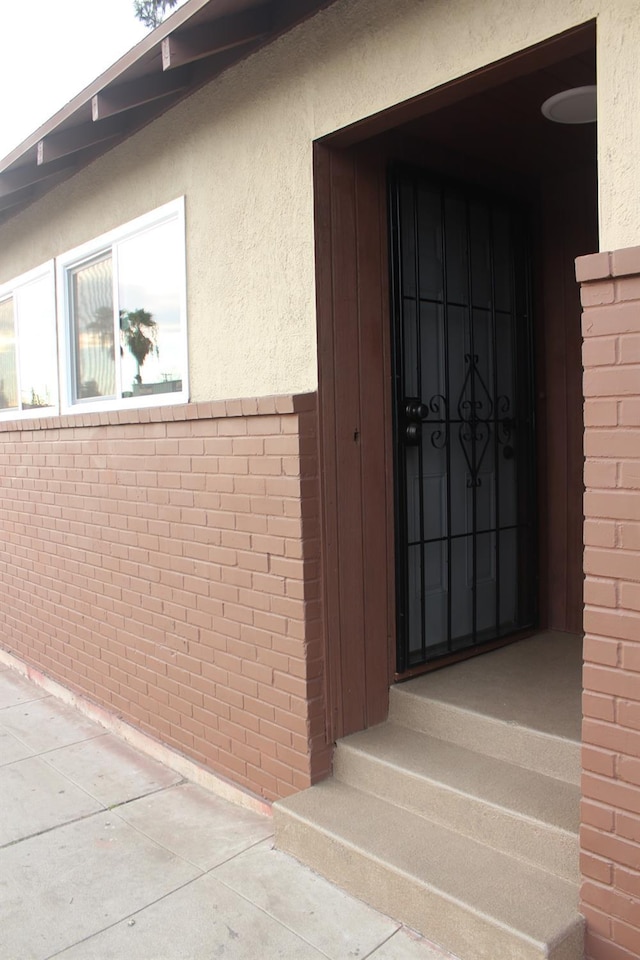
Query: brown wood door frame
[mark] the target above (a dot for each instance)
(355, 435)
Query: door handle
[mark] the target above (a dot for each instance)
(415, 410)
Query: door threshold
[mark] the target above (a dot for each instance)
(449, 659)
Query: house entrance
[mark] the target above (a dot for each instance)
(448, 522)
(463, 418)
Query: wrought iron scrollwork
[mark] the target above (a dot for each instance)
(475, 415)
(480, 407)
(440, 432)
(439, 436)
(438, 406)
(478, 415)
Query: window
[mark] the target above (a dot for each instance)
(28, 367)
(122, 315)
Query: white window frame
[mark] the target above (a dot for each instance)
(8, 291)
(84, 254)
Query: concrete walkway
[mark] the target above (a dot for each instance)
(109, 855)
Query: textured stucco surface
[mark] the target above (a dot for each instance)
(241, 152)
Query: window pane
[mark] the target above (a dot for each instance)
(8, 378)
(36, 326)
(92, 311)
(150, 270)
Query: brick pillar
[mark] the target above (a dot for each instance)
(610, 835)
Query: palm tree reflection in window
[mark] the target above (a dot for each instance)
(139, 333)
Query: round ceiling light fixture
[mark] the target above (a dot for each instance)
(577, 105)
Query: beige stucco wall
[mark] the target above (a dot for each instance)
(240, 151)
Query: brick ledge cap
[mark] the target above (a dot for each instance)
(289, 403)
(606, 265)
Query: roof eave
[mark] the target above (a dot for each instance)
(195, 44)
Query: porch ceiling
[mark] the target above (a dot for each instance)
(197, 43)
(503, 125)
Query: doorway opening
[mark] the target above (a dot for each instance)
(450, 374)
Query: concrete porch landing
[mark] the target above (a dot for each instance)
(522, 703)
(459, 815)
(535, 683)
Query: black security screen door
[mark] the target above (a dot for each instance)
(465, 470)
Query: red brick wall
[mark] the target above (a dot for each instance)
(164, 563)
(611, 731)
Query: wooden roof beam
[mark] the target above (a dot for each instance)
(14, 181)
(210, 39)
(16, 198)
(57, 145)
(125, 96)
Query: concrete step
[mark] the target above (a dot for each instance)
(477, 902)
(518, 811)
(413, 705)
